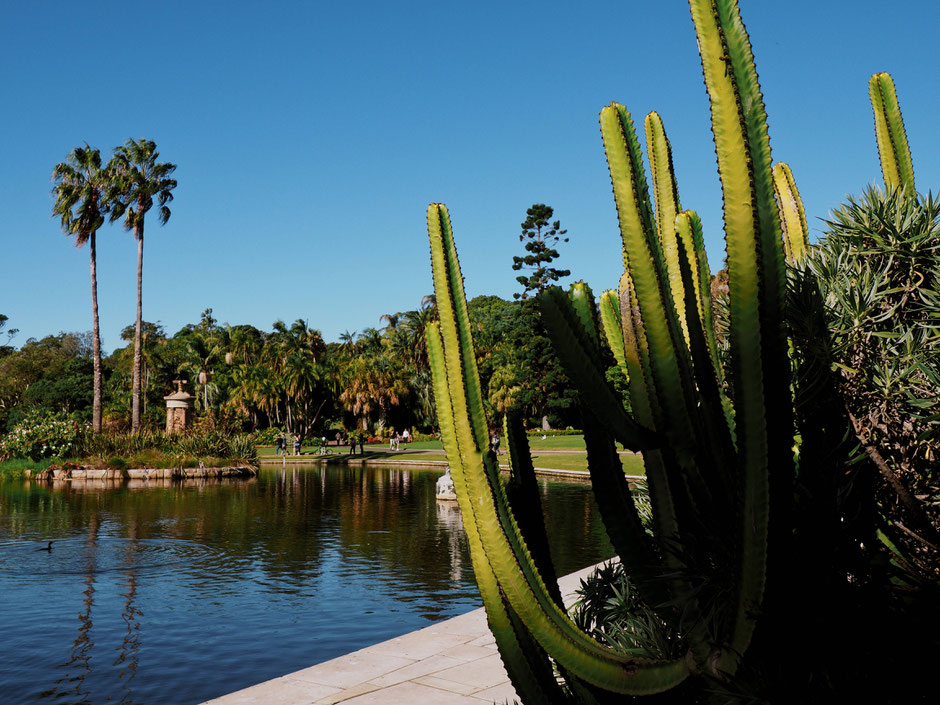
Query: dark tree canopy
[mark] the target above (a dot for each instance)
(540, 236)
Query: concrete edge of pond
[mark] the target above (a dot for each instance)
(454, 662)
(579, 475)
(81, 474)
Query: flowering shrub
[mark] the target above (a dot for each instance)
(267, 436)
(41, 434)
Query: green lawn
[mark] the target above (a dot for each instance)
(632, 464)
(434, 451)
(575, 442)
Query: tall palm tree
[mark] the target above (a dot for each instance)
(80, 192)
(138, 178)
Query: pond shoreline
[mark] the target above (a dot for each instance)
(268, 461)
(180, 473)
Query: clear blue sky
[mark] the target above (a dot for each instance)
(310, 137)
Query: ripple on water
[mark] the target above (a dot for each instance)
(30, 561)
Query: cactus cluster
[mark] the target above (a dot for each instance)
(722, 433)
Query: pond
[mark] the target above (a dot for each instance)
(187, 591)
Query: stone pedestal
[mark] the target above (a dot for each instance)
(178, 409)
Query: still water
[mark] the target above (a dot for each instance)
(184, 592)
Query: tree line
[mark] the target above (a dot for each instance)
(245, 378)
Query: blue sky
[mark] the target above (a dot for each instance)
(310, 137)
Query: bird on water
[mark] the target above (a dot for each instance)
(47, 548)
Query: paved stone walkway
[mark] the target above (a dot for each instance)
(454, 662)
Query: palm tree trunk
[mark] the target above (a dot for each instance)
(95, 342)
(136, 393)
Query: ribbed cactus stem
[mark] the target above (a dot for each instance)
(895, 154)
(792, 215)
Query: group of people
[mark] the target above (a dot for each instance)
(280, 445)
(395, 441)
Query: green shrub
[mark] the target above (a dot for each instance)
(41, 434)
(15, 468)
(267, 436)
(158, 449)
(116, 463)
(878, 268)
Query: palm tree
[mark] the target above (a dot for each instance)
(80, 192)
(138, 178)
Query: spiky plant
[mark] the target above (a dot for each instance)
(758, 523)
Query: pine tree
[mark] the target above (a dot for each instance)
(540, 235)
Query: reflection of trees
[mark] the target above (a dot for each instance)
(128, 658)
(281, 523)
(72, 682)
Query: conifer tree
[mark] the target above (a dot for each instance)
(540, 235)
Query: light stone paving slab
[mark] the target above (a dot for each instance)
(411, 693)
(415, 670)
(448, 663)
(347, 671)
(447, 684)
(283, 691)
(482, 673)
(502, 693)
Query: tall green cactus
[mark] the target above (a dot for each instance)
(497, 546)
(896, 164)
(717, 434)
(792, 215)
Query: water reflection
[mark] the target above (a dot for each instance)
(448, 516)
(205, 586)
(78, 666)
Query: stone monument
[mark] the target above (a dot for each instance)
(179, 413)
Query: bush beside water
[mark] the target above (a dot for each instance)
(43, 439)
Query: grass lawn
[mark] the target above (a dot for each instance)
(535, 443)
(632, 464)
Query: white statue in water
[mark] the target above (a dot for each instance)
(445, 486)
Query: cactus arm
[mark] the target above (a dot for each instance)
(486, 507)
(689, 233)
(718, 462)
(609, 307)
(670, 373)
(528, 676)
(580, 356)
(893, 149)
(619, 513)
(582, 301)
(760, 370)
(666, 196)
(611, 489)
(453, 310)
(792, 215)
(523, 493)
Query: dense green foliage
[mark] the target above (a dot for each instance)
(246, 379)
(40, 434)
(878, 269)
